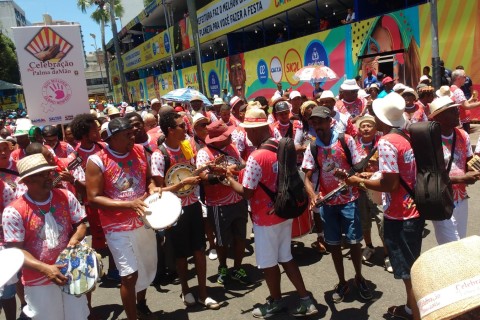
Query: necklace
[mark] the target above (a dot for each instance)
(51, 210)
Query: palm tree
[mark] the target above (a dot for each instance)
(101, 15)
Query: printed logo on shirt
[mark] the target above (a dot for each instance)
(408, 157)
(275, 167)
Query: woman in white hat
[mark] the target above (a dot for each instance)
(413, 110)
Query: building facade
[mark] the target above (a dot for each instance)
(11, 15)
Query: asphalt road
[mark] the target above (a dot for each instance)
(318, 274)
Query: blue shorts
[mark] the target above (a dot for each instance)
(341, 219)
(403, 239)
(9, 291)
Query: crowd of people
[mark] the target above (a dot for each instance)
(128, 153)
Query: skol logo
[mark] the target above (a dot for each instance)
(292, 63)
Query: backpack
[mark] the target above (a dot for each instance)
(291, 199)
(433, 193)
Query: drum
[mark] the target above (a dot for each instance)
(302, 225)
(375, 196)
(162, 212)
(82, 266)
(15, 259)
(177, 173)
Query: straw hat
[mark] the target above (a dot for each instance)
(254, 118)
(409, 90)
(23, 127)
(390, 110)
(234, 101)
(439, 105)
(33, 164)
(443, 91)
(112, 111)
(196, 98)
(198, 117)
(365, 118)
(446, 279)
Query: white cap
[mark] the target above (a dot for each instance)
(349, 85)
(130, 109)
(326, 94)
(398, 87)
(294, 94)
(154, 100)
(217, 101)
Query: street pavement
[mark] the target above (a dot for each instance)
(318, 273)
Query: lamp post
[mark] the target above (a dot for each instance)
(98, 62)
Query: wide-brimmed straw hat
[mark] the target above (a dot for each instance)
(33, 164)
(441, 104)
(390, 110)
(218, 131)
(254, 118)
(446, 279)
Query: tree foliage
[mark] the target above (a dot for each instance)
(9, 70)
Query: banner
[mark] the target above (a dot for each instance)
(223, 16)
(52, 70)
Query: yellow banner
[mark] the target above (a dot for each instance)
(223, 16)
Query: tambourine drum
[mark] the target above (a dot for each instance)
(177, 173)
(302, 225)
(375, 196)
(162, 212)
(82, 267)
(228, 161)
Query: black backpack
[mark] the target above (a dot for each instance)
(291, 199)
(433, 194)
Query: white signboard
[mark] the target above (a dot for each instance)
(51, 65)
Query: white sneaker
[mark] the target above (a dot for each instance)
(212, 255)
(388, 265)
(367, 253)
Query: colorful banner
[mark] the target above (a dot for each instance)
(188, 78)
(51, 64)
(215, 77)
(223, 16)
(136, 90)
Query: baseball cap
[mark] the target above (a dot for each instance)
(321, 112)
(387, 80)
(294, 94)
(117, 125)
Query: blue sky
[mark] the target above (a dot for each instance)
(65, 10)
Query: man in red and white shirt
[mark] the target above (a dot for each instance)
(340, 215)
(403, 226)
(458, 80)
(117, 180)
(413, 111)
(188, 234)
(445, 112)
(226, 209)
(341, 122)
(43, 222)
(50, 137)
(147, 140)
(350, 103)
(272, 233)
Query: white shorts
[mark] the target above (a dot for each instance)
(273, 244)
(454, 228)
(132, 251)
(51, 303)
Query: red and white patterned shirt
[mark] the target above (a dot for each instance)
(85, 153)
(24, 222)
(176, 156)
(62, 149)
(243, 144)
(342, 123)
(124, 179)
(262, 166)
(416, 113)
(352, 109)
(395, 155)
(463, 150)
(459, 97)
(8, 195)
(218, 194)
(330, 158)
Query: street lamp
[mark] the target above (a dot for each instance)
(98, 62)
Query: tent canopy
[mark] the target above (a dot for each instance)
(9, 86)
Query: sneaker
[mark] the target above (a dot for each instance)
(306, 308)
(363, 289)
(114, 275)
(240, 275)
(212, 254)
(399, 312)
(188, 299)
(367, 253)
(341, 290)
(222, 275)
(143, 311)
(267, 310)
(388, 265)
(23, 316)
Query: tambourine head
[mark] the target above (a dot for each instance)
(82, 268)
(176, 174)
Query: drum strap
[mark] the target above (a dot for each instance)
(166, 157)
